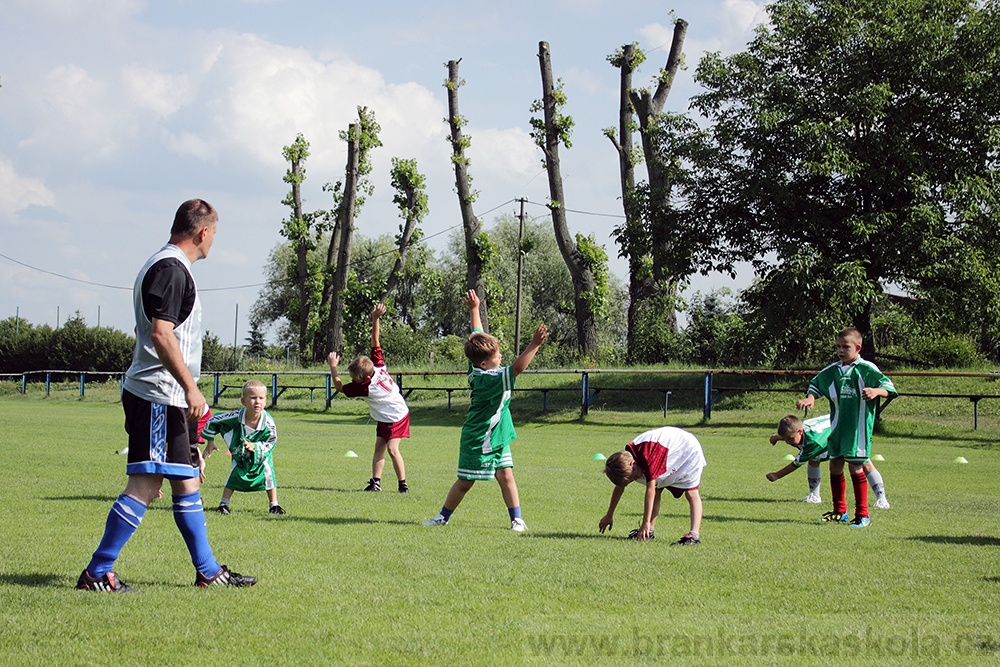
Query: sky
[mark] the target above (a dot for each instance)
(113, 112)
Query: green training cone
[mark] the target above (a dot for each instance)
(789, 457)
(599, 457)
(350, 455)
(961, 459)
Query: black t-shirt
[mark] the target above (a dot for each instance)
(168, 291)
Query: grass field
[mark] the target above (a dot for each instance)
(348, 577)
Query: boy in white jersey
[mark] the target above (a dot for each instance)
(810, 438)
(371, 381)
(251, 435)
(852, 385)
(663, 458)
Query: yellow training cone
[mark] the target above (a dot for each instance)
(878, 457)
(961, 459)
(350, 455)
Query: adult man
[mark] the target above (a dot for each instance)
(162, 404)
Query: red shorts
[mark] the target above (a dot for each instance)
(395, 430)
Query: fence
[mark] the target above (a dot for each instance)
(588, 388)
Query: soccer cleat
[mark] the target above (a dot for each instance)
(439, 520)
(686, 539)
(882, 503)
(224, 578)
(403, 488)
(812, 499)
(276, 509)
(108, 583)
(518, 525)
(833, 517)
(222, 509)
(860, 522)
(373, 485)
(634, 535)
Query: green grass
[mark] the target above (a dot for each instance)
(352, 578)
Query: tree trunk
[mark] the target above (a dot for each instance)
(345, 220)
(583, 278)
(471, 224)
(404, 242)
(302, 265)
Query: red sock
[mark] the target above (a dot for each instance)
(860, 481)
(838, 485)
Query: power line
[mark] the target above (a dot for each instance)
(59, 275)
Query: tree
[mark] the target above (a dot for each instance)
(477, 246)
(361, 138)
(860, 143)
(412, 201)
(549, 131)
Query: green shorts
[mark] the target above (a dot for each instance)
(257, 478)
(475, 465)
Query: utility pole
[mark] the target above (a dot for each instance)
(520, 275)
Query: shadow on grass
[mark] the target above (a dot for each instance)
(969, 540)
(743, 519)
(337, 520)
(567, 536)
(34, 580)
(103, 499)
(719, 499)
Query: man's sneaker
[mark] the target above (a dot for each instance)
(518, 525)
(276, 509)
(812, 499)
(403, 488)
(222, 509)
(108, 583)
(373, 485)
(881, 503)
(686, 539)
(439, 520)
(833, 517)
(634, 535)
(860, 522)
(224, 578)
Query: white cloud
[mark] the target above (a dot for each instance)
(162, 93)
(507, 154)
(18, 192)
(76, 114)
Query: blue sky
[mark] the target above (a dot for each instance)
(115, 111)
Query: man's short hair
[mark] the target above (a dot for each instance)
(789, 424)
(618, 468)
(480, 347)
(192, 216)
(851, 334)
(253, 384)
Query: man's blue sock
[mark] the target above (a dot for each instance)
(123, 520)
(446, 513)
(514, 512)
(189, 515)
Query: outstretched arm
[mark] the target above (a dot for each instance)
(471, 300)
(334, 359)
(775, 476)
(378, 310)
(541, 333)
(608, 520)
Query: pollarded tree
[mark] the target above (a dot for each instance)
(412, 201)
(861, 141)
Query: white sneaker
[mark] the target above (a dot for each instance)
(518, 525)
(812, 499)
(882, 503)
(439, 520)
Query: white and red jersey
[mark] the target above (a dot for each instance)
(382, 395)
(670, 455)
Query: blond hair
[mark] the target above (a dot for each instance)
(852, 335)
(361, 369)
(618, 468)
(253, 384)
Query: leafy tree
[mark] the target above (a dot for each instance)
(411, 199)
(857, 141)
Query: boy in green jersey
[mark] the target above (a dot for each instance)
(250, 435)
(484, 452)
(852, 385)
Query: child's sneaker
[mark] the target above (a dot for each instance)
(276, 509)
(882, 503)
(373, 485)
(833, 517)
(222, 509)
(812, 499)
(686, 539)
(403, 488)
(224, 578)
(518, 525)
(439, 520)
(860, 522)
(634, 535)
(108, 583)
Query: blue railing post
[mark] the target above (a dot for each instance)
(82, 379)
(122, 390)
(708, 396)
(329, 393)
(24, 383)
(274, 390)
(215, 390)
(585, 386)
(48, 383)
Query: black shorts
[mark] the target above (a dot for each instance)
(161, 441)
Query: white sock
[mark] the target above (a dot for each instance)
(224, 501)
(875, 480)
(815, 478)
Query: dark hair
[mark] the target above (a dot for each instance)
(788, 425)
(618, 467)
(193, 216)
(480, 347)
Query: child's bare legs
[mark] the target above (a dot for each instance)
(508, 487)
(378, 458)
(694, 500)
(396, 457)
(227, 493)
(457, 493)
(272, 496)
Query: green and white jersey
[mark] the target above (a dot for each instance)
(852, 418)
(815, 433)
(489, 426)
(233, 429)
